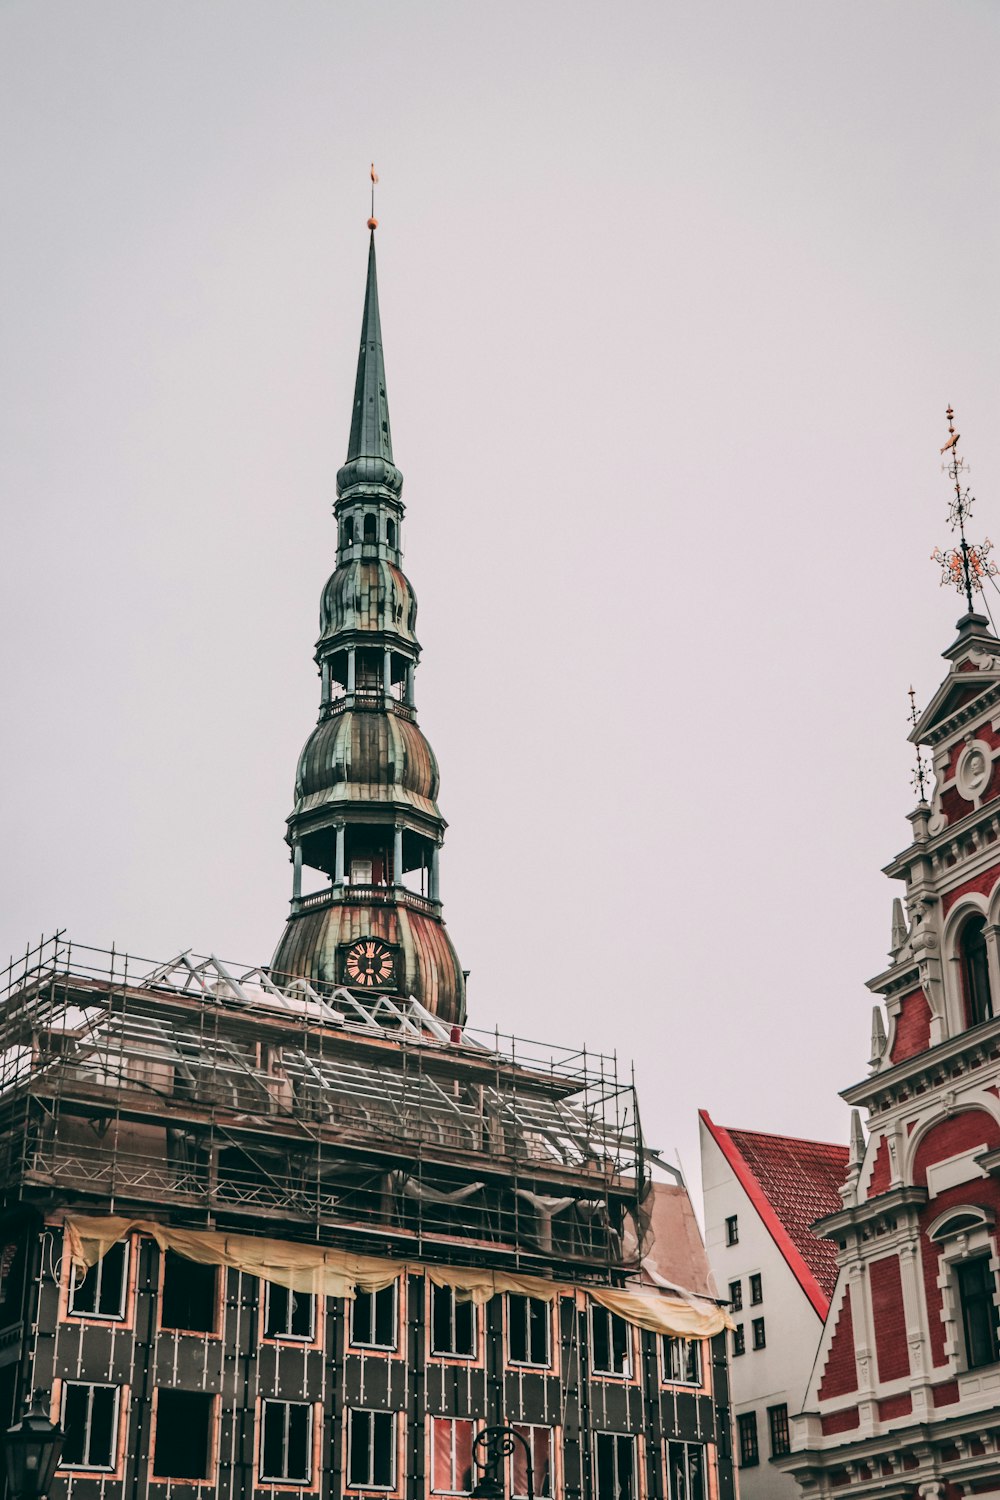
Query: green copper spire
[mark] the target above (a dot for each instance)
(369, 450)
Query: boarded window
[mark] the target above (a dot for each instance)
(610, 1343)
(190, 1295)
(373, 1318)
(371, 1439)
(686, 1471)
(453, 1323)
(451, 1456)
(101, 1293)
(528, 1321)
(539, 1441)
(615, 1466)
(288, 1315)
(183, 1448)
(285, 1447)
(90, 1425)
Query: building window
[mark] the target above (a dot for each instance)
(759, 1341)
(777, 1421)
(183, 1447)
(746, 1426)
(528, 1321)
(90, 1424)
(288, 1315)
(756, 1290)
(451, 1456)
(371, 1461)
(453, 1324)
(101, 1293)
(739, 1340)
(362, 871)
(733, 1230)
(539, 1441)
(190, 1295)
(615, 1466)
(390, 533)
(373, 1318)
(610, 1343)
(285, 1447)
(736, 1296)
(976, 970)
(370, 528)
(349, 532)
(682, 1360)
(979, 1312)
(686, 1471)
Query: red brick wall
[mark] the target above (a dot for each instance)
(895, 1406)
(880, 1170)
(973, 1127)
(913, 1027)
(840, 1374)
(981, 885)
(840, 1421)
(890, 1323)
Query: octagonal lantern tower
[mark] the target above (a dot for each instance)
(366, 817)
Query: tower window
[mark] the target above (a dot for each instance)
(979, 1312)
(101, 1293)
(390, 533)
(349, 531)
(976, 971)
(371, 529)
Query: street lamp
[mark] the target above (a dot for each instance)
(31, 1452)
(497, 1444)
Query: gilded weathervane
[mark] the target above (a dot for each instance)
(967, 565)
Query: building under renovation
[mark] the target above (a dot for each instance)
(300, 1228)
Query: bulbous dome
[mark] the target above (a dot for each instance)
(312, 944)
(368, 594)
(367, 757)
(368, 475)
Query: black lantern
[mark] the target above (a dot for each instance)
(490, 1448)
(487, 1488)
(31, 1453)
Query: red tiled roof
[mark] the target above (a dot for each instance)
(791, 1183)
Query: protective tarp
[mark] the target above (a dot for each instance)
(339, 1273)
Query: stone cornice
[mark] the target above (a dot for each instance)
(949, 1060)
(879, 1214)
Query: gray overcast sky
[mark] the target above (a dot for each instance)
(673, 297)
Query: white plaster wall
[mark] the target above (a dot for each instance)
(780, 1372)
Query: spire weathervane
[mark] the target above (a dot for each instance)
(373, 222)
(920, 770)
(966, 565)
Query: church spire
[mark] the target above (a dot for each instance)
(370, 435)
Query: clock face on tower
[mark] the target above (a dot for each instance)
(369, 962)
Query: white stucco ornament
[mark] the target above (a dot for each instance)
(972, 773)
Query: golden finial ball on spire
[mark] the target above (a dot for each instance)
(373, 223)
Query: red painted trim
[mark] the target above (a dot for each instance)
(762, 1203)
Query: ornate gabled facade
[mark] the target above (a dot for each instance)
(904, 1398)
(366, 816)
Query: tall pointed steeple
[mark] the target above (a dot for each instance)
(366, 817)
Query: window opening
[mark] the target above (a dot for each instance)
(976, 971)
(190, 1295)
(373, 1318)
(284, 1450)
(682, 1360)
(361, 872)
(610, 1345)
(288, 1315)
(615, 1466)
(371, 1463)
(777, 1421)
(736, 1296)
(539, 1441)
(101, 1293)
(686, 1471)
(183, 1447)
(454, 1323)
(746, 1426)
(759, 1341)
(371, 529)
(528, 1331)
(349, 532)
(90, 1424)
(979, 1312)
(739, 1340)
(733, 1230)
(451, 1456)
(390, 533)
(756, 1290)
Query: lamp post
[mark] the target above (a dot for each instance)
(497, 1444)
(31, 1452)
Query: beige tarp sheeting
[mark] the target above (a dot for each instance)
(339, 1273)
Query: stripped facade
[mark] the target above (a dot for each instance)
(300, 1228)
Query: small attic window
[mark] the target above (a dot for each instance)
(371, 529)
